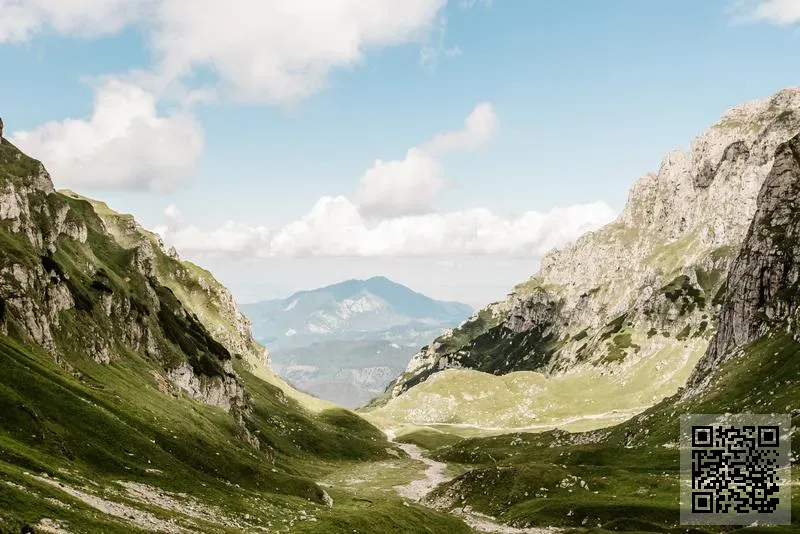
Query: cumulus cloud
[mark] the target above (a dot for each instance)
(126, 143)
(261, 50)
(479, 126)
(402, 187)
(22, 18)
(335, 227)
(410, 186)
(282, 50)
(391, 214)
(780, 12)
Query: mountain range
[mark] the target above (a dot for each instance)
(618, 320)
(134, 398)
(345, 342)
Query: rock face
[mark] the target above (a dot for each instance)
(225, 392)
(624, 293)
(763, 285)
(78, 279)
(197, 289)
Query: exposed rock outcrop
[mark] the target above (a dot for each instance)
(197, 289)
(225, 392)
(624, 293)
(763, 286)
(80, 280)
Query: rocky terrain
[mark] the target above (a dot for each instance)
(134, 398)
(625, 478)
(635, 303)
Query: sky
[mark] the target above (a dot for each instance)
(448, 145)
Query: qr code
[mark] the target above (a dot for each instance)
(735, 469)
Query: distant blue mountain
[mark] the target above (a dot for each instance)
(349, 307)
(351, 337)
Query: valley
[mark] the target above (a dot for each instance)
(136, 398)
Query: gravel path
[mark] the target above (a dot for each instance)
(433, 476)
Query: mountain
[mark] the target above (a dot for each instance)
(347, 309)
(626, 478)
(133, 397)
(346, 342)
(616, 321)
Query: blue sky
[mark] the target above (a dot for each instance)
(580, 98)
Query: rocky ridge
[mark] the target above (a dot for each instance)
(764, 282)
(75, 277)
(626, 292)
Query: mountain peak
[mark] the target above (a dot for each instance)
(618, 297)
(355, 305)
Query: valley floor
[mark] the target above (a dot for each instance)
(411, 478)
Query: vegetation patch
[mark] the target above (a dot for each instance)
(614, 327)
(681, 290)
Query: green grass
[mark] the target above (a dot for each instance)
(617, 350)
(15, 166)
(88, 426)
(114, 424)
(428, 438)
(681, 290)
(614, 326)
(631, 478)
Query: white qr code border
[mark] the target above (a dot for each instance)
(735, 469)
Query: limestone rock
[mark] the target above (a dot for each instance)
(614, 295)
(223, 392)
(762, 285)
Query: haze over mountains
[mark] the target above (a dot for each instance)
(134, 397)
(345, 342)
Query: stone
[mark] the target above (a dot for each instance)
(762, 285)
(691, 216)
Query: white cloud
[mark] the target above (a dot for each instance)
(433, 47)
(22, 18)
(261, 50)
(282, 50)
(410, 186)
(125, 144)
(780, 12)
(479, 126)
(404, 187)
(335, 228)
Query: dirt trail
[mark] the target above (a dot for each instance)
(434, 475)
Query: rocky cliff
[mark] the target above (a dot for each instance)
(751, 366)
(79, 279)
(648, 286)
(763, 285)
(132, 395)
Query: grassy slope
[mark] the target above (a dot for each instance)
(89, 426)
(116, 425)
(630, 471)
(182, 278)
(528, 399)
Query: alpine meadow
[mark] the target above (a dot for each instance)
(496, 328)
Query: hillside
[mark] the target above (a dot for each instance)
(134, 399)
(626, 477)
(346, 342)
(629, 308)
